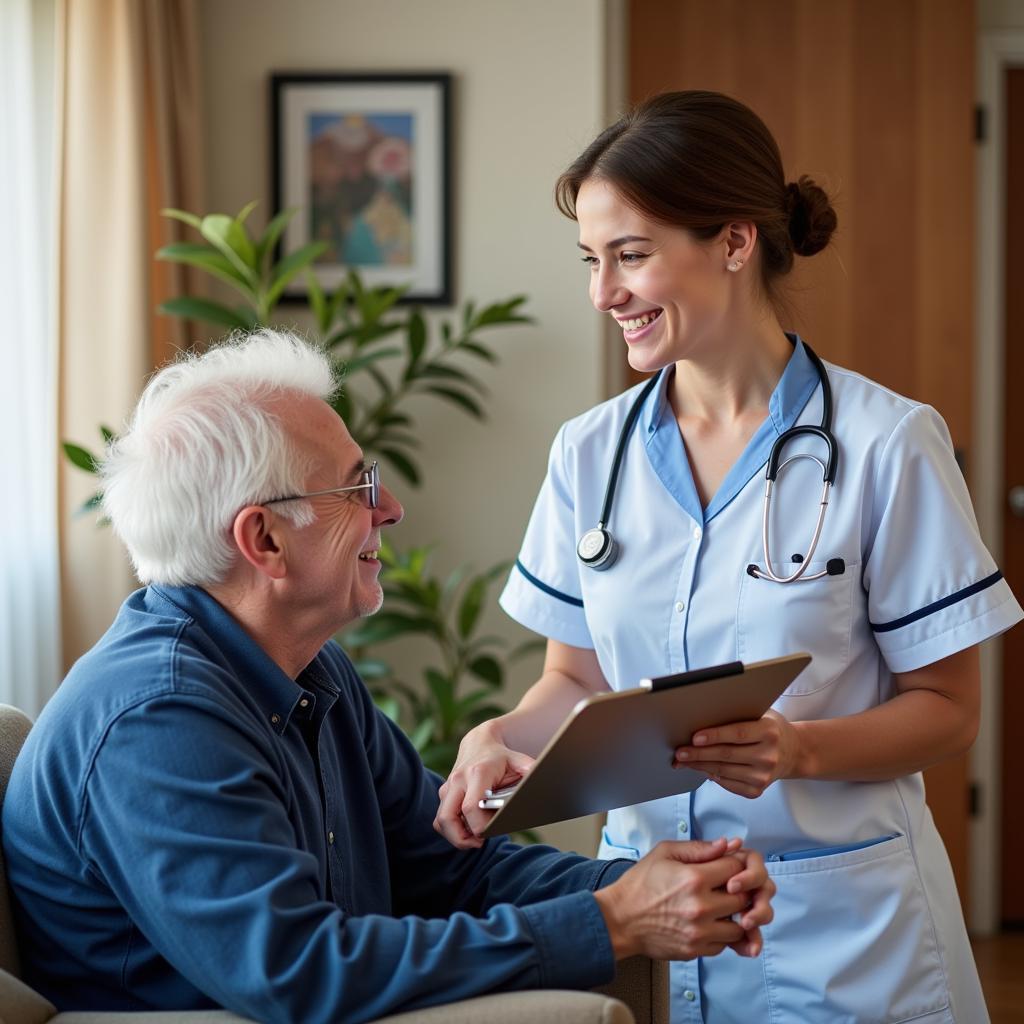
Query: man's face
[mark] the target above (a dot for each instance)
(333, 563)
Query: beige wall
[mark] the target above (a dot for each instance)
(1000, 14)
(529, 92)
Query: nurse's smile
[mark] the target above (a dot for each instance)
(637, 327)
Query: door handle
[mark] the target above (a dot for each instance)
(1016, 499)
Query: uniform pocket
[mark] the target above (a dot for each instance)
(609, 850)
(852, 940)
(773, 619)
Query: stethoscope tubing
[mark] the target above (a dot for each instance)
(598, 550)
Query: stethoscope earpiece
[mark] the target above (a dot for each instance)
(597, 548)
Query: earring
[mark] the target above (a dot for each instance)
(735, 265)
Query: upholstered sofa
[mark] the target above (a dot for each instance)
(639, 992)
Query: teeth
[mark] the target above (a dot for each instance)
(638, 322)
(367, 554)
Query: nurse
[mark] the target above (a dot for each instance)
(687, 228)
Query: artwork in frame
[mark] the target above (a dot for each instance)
(365, 159)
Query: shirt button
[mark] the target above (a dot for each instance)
(689, 994)
(330, 838)
(303, 703)
(683, 827)
(680, 606)
(275, 719)
(697, 533)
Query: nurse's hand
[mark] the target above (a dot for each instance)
(677, 902)
(745, 757)
(484, 762)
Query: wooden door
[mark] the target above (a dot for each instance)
(1012, 842)
(874, 99)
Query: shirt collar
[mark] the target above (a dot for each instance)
(266, 682)
(791, 394)
(667, 453)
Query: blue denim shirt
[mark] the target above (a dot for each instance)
(187, 827)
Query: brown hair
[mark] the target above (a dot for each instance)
(701, 160)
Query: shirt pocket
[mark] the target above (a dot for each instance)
(774, 619)
(610, 850)
(852, 939)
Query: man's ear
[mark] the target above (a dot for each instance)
(257, 534)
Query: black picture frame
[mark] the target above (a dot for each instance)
(366, 159)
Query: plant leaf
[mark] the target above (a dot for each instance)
(443, 689)
(417, 337)
(421, 735)
(205, 257)
(488, 669)
(482, 713)
(481, 351)
(439, 371)
(203, 309)
(183, 215)
(290, 266)
(471, 605)
(272, 233)
(500, 313)
(81, 457)
(230, 238)
(341, 402)
(440, 757)
(317, 300)
(372, 668)
(388, 706)
(244, 212)
(405, 467)
(387, 626)
(359, 362)
(459, 398)
(108, 434)
(90, 504)
(470, 703)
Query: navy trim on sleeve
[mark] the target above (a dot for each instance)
(935, 606)
(548, 590)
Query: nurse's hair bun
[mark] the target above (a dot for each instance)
(811, 217)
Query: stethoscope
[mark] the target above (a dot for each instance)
(599, 550)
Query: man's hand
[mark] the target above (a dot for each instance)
(754, 883)
(678, 902)
(484, 762)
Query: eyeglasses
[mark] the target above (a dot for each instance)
(370, 482)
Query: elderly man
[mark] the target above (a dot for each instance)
(211, 811)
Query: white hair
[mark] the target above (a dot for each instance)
(203, 443)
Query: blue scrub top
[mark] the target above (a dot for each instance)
(868, 924)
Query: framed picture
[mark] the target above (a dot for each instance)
(365, 159)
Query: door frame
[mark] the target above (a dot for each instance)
(998, 49)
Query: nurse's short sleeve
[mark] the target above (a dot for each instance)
(933, 588)
(543, 591)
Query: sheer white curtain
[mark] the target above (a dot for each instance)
(30, 662)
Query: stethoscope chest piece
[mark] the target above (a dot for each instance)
(597, 548)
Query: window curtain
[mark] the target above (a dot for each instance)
(129, 144)
(29, 583)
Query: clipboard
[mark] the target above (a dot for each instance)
(616, 749)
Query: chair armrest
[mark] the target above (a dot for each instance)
(638, 994)
(504, 1008)
(642, 984)
(20, 1004)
